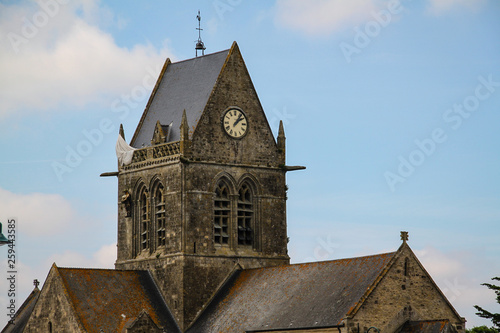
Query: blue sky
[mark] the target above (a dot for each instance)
(392, 106)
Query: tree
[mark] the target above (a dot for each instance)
(495, 317)
(482, 329)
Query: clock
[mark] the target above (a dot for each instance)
(235, 123)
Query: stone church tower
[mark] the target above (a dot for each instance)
(205, 192)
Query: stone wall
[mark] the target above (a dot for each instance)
(405, 293)
(53, 312)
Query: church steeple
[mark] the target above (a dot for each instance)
(209, 192)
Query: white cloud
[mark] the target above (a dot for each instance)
(323, 17)
(105, 257)
(441, 265)
(57, 57)
(456, 275)
(438, 7)
(36, 213)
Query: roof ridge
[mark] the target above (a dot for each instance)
(102, 269)
(204, 56)
(325, 261)
(351, 258)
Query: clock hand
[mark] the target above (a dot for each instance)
(240, 118)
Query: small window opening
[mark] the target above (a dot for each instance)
(144, 211)
(245, 215)
(160, 216)
(222, 212)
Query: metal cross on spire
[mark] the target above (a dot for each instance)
(199, 43)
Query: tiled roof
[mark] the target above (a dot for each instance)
(184, 85)
(428, 326)
(316, 294)
(108, 299)
(23, 314)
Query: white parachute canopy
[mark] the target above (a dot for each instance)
(124, 152)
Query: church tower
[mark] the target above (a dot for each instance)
(204, 193)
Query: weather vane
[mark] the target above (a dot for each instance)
(199, 43)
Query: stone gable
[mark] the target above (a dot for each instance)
(406, 292)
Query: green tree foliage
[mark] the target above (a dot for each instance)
(495, 317)
(482, 329)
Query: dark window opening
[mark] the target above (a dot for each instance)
(144, 220)
(160, 216)
(245, 215)
(222, 213)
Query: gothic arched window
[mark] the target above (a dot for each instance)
(144, 220)
(159, 209)
(245, 215)
(222, 214)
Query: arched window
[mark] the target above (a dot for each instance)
(50, 327)
(245, 215)
(159, 207)
(222, 214)
(144, 224)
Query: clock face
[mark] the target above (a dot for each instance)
(235, 123)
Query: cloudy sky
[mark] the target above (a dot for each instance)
(394, 107)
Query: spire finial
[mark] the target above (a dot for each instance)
(281, 142)
(184, 128)
(122, 132)
(404, 236)
(184, 135)
(199, 43)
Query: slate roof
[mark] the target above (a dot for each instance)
(317, 294)
(427, 326)
(110, 299)
(182, 85)
(23, 314)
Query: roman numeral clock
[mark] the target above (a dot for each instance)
(234, 122)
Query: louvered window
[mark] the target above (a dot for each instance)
(144, 220)
(245, 215)
(222, 214)
(160, 216)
